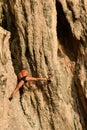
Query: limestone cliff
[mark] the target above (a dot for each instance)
(48, 37)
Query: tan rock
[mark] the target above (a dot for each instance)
(48, 38)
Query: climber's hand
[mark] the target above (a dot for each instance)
(49, 79)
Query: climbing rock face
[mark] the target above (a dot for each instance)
(9, 119)
(49, 39)
(7, 77)
(75, 12)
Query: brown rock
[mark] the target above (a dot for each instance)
(47, 38)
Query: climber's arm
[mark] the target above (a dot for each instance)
(36, 79)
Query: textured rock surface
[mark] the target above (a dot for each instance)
(48, 38)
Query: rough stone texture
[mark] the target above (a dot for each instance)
(48, 38)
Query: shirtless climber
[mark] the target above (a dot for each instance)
(24, 77)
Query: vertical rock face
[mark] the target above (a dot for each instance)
(48, 38)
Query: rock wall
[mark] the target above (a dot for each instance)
(48, 38)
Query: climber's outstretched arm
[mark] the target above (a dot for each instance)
(36, 79)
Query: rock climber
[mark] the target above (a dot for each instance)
(24, 77)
